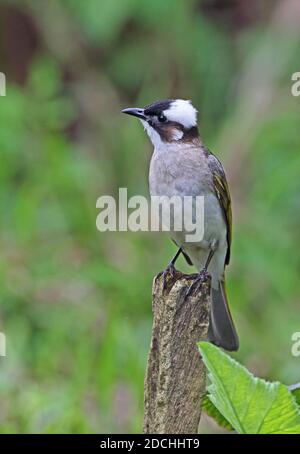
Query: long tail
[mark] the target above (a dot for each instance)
(221, 328)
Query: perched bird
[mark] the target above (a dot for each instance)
(181, 165)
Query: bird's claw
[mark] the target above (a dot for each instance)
(197, 283)
(168, 274)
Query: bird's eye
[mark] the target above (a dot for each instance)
(161, 118)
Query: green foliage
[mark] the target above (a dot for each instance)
(295, 390)
(212, 411)
(249, 404)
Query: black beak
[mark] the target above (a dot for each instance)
(136, 112)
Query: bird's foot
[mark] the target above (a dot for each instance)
(195, 287)
(168, 275)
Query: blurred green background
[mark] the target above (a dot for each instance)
(76, 303)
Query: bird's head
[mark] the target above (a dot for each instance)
(169, 121)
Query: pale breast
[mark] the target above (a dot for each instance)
(183, 172)
(179, 171)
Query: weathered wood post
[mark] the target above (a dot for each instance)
(175, 376)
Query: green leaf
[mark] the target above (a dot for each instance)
(251, 405)
(214, 413)
(295, 390)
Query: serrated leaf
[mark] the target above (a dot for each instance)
(251, 405)
(209, 408)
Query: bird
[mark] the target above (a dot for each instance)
(182, 165)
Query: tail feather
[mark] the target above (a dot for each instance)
(221, 328)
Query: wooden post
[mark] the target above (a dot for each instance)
(175, 376)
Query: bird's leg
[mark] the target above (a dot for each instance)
(174, 259)
(208, 260)
(203, 274)
(170, 270)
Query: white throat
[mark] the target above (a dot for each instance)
(153, 136)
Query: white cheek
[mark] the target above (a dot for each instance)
(153, 135)
(177, 134)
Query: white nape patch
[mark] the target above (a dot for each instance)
(153, 135)
(182, 111)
